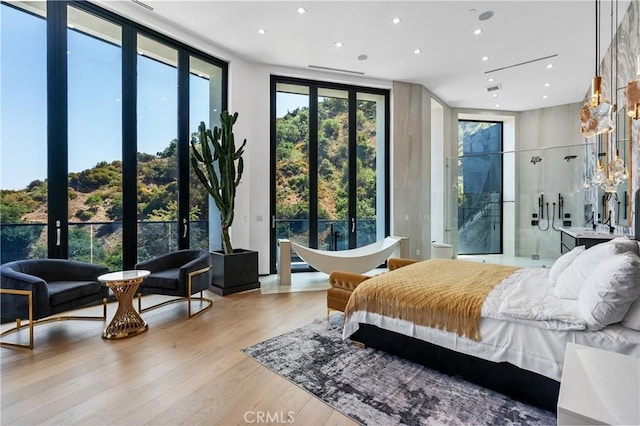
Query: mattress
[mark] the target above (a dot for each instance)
(537, 346)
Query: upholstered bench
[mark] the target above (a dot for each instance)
(343, 284)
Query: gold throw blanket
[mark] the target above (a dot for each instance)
(440, 293)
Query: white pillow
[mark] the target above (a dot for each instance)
(561, 264)
(632, 319)
(571, 280)
(610, 290)
(625, 244)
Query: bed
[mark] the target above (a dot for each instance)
(517, 344)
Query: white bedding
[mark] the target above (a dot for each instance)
(530, 331)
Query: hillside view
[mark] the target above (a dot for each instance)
(292, 166)
(95, 195)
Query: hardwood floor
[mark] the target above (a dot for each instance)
(178, 372)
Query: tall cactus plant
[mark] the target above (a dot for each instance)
(219, 146)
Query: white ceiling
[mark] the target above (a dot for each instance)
(450, 64)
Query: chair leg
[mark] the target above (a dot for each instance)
(29, 295)
(33, 323)
(209, 302)
(188, 298)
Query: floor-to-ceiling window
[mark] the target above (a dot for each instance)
(23, 163)
(205, 106)
(330, 179)
(479, 187)
(95, 136)
(157, 157)
(94, 48)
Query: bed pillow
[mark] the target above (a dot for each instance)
(561, 264)
(632, 319)
(610, 290)
(573, 277)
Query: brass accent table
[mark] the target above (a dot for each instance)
(126, 322)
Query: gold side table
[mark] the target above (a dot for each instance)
(126, 322)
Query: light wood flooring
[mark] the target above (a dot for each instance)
(178, 372)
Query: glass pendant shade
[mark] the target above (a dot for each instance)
(598, 175)
(596, 115)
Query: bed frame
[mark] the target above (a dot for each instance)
(515, 382)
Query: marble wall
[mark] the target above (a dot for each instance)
(621, 57)
(411, 166)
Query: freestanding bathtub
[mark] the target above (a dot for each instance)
(358, 260)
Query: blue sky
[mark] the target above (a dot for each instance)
(94, 96)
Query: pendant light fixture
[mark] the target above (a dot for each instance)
(595, 116)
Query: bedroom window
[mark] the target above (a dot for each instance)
(329, 162)
(23, 190)
(479, 187)
(95, 144)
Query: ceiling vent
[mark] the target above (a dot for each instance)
(494, 87)
(146, 6)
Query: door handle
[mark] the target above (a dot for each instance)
(353, 224)
(58, 231)
(184, 228)
(273, 221)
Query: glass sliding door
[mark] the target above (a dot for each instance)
(23, 163)
(333, 169)
(205, 105)
(370, 159)
(94, 138)
(479, 187)
(329, 145)
(291, 216)
(157, 158)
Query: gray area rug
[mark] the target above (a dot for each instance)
(375, 388)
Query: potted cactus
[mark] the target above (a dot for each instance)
(219, 167)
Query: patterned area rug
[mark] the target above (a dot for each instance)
(375, 388)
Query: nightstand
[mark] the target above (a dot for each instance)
(599, 387)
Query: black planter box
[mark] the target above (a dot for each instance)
(233, 273)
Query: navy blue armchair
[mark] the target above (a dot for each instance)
(181, 274)
(39, 289)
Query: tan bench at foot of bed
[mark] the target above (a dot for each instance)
(343, 284)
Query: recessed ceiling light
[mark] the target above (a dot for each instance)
(396, 20)
(477, 31)
(485, 58)
(495, 95)
(544, 96)
(491, 79)
(338, 44)
(549, 66)
(262, 31)
(417, 51)
(498, 105)
(301, 10)
(547, 85)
